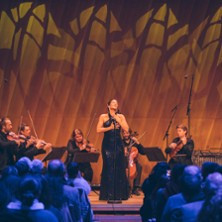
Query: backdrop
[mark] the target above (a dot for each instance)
(63, 60)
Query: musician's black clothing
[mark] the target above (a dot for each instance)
(136, 181)
(84, 168)
(187, 150)
(29, 152)
(7, 151)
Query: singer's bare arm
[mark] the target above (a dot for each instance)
(100, 128)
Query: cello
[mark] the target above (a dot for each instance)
(132, 154)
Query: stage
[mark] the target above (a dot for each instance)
(128, 210)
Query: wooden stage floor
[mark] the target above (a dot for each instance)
(127, 211)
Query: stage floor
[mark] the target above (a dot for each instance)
(128, 210)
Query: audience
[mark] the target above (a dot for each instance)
(189, 212)
(192, 194)
(187, 194)
(27, 195)
(190, 191)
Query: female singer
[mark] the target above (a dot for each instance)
(181, 148)
(114, 185)
(79, 144)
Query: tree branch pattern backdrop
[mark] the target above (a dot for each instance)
(63, 60)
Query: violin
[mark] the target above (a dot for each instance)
(179, 146)
(86, 145)
(14, 137)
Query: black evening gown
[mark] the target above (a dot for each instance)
(114, 184)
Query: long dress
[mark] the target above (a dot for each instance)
(114, 184)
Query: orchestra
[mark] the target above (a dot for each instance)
(23, 144)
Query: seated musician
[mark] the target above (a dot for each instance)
(8, 146)
(128, 140)
(181, 148)
(79, 144)
(31, 146)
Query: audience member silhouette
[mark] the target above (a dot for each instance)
(172, 187)
(27, 207)
(190, 192)
(157, 179)
(189, 212)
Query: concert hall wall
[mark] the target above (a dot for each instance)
(63, 60)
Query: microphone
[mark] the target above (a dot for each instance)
(113, 120)
(168, 150)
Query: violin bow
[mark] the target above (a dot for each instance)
(90, 127)
(33, 127)
(20, 124)
(138, 138)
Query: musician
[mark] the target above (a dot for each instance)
(129, 140)
(78, 143)
(8, 148)
(181, 148)
(31, 146)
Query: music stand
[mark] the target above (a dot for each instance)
(85, 157)
(154, 154)
(56, 153)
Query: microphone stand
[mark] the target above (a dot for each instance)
(189, 105)
(166, 135)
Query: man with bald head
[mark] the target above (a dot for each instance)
(190, 191)
(189, 212)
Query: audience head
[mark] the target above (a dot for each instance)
(212, 184)
(73, 169)
(156, 179)
(37, 166)
(29, 190)
(208, 168)
(4, 196)
(191, 181)
(23, 166)
(219, 169)
(160, 169)
(8, 171)
(177, 172)
(56, 168)
(212, 209)
(12, 183)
